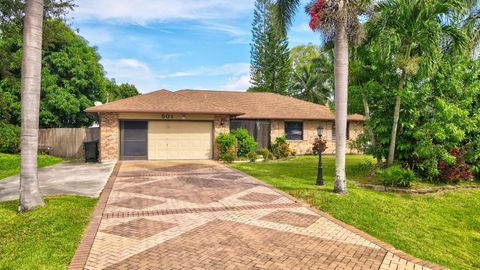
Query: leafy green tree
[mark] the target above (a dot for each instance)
(312, 76)
(270, 64)
(302, 55)
(311, 84)
(412, 32)
(116, 92)
(72, 79)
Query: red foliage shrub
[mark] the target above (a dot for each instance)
(316, 146)
(316, 13)
(459, 171)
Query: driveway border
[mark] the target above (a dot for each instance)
(363, 234)
(83, 249)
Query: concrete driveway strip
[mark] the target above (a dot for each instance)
(204, 215)
(68, 178)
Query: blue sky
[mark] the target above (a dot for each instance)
(196, 44)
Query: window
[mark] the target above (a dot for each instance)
(294, 130)
(334, 131)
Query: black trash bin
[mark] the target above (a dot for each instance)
(91, 151)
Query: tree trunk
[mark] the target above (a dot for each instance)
(396, 116)
(371, 134)
(341, 94)
(30, 196)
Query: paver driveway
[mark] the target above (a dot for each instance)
(204, 215)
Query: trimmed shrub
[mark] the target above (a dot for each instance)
(9, 138)
(266, 154)
(252, 156)
(396, 176)
(279, 140)
(229, 156)
(316, 146)
(280, 148)
(246, 143)
(227, 147)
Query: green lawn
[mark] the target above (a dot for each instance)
(10, 164)
(44, 238)
(443, 228)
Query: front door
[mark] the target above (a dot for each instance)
(258, 129)
(133, 140)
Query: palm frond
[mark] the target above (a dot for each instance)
(284, 11)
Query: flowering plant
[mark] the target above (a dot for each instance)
(316, 11)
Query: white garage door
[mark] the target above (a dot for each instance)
(179, 140)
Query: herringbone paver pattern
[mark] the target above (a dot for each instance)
(203, 215)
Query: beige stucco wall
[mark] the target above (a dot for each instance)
(109, 137)
(304, 147)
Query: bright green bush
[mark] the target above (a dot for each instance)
(246, 143)
(396, 176)
(9, 138)
(252, 156)
(227, 147)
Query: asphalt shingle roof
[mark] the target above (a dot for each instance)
(244, 105)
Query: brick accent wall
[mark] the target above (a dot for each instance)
(218, 129)
(109, 137)
(304, 147)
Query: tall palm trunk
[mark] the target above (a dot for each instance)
(371, 134)
(396, 116)
(30, 196)
(341, 94)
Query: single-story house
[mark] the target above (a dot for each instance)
(183, 124)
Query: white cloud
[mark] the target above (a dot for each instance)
(240, 84)
(144, 11)
(131, 71)
(233, 69)
(229, 29)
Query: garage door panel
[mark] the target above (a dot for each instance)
(180, 140)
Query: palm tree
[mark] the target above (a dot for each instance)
(30, 196)
(414, 30)
(312, 82)
(337, 20)
(471, 25)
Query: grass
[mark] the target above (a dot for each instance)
(10, 164)
(443, 228)
(44, 238)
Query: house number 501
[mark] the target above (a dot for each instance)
(167, 116)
